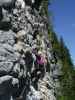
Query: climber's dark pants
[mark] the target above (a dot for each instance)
(42, 69)
(5, 97)
(1, 13)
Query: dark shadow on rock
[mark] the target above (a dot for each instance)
(5, 26)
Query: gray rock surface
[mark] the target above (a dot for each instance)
(28, 69)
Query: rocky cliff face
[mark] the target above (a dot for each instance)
(29, 69)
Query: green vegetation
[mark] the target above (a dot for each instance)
(44, 4)
(67, 80)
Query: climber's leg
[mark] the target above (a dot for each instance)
(1, 15)
(5, 97)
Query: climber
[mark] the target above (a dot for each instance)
(41, 61)
(40, 56)
(29, 61)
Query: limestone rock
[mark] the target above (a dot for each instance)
(28, 68)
